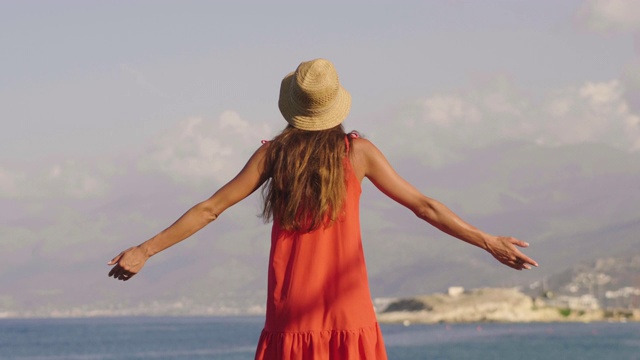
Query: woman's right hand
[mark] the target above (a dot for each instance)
(128, 263)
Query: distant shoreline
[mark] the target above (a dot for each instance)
(484, 305)
(495, 305)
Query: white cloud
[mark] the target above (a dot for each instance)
(199, 151)
(66, 179)
(435, 128)
(438, 127)
(196, 151)
(612, 14)
(447, 111)
(75, 181)
(594, 112)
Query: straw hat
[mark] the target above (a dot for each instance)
(311, 98)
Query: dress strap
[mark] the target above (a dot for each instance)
(353, 135)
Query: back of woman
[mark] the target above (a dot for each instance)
(319, 303)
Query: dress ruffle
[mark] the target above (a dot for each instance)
(360, 344)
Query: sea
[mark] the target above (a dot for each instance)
(228, 338)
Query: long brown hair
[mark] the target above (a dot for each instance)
(306, 179)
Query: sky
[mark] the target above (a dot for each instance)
(87, 78)
(101, 99)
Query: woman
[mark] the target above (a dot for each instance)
(318, 302)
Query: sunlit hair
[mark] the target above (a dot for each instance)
(306, 183)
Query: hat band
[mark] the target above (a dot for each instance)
(312, 111)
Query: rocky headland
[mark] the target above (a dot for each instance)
(495, 305)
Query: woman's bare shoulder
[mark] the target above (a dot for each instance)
(362, 151)
(364, 148)
(361, 144)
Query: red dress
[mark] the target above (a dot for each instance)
(318, 302)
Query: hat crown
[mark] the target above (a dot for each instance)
(315, 85)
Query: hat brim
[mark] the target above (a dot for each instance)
(330, 116)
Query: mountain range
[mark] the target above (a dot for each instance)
(573, 204)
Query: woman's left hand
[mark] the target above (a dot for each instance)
(504, 249)
(128, 263)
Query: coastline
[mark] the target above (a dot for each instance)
(483, 305)
(506, 305)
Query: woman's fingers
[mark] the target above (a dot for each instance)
(116, 272)
(529, 261)
(119, 273)
(115, 259)
(522, 261)
(125, 276)
(518, 242)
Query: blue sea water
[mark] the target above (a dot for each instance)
(228, 338)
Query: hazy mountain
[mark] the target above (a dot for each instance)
(613, 281)
(571, 203)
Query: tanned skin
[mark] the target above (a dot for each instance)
(367, 161)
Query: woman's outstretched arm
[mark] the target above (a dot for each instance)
(370, 162)
(130, 262)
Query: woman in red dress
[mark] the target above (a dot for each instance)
(318, 302)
